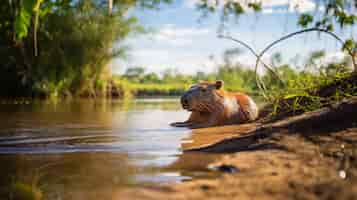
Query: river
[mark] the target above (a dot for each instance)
(87, 149)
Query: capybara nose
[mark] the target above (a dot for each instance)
(184, 100)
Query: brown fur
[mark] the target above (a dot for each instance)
(212, 106)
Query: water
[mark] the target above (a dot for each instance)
(85, 149)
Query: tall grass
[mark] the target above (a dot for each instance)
(310, 92)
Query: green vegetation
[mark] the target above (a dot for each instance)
(59, 48)
(316, 86)
(239, 77)
(62, 47)
(302, 90)
(158, 89)
(332, 13)
(24, 191)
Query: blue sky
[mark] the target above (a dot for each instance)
(181, 41)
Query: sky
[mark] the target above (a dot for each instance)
(182, 40)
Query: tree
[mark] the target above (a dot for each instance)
(276, 58)
(314, 61)
(151, 77)
(57, 46)
(230, 54)
(110, 7)
(331, 13)
(135, 72)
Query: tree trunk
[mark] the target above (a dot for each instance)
(110, 7)
(354, 59)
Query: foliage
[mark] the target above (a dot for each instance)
(23, 19)
(333, 11)
(311, 92)
(305, 20)
(24, 191)
(157, 89)
(238, 77)
(327, 14)
(62, 47)
(317, 85)
(81, 43)
(120, 88)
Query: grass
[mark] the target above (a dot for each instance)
(162, 89)
(25, 192)
(157, 89)
(311, 95)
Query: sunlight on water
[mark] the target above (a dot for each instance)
(67, 149)
(141, 126)
(89, 143)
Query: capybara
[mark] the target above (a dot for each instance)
(210, 105)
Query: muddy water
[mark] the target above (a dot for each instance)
(89, 149)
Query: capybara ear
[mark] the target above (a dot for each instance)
(219, 84)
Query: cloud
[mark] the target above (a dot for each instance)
(269, 6)
(178, 36)
(150, 53)
(159, 60)
(174, 31)
(170, 46)
(333, 57)
(189, 3)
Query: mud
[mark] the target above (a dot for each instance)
(310, 156)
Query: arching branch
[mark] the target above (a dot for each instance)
(253, 52)
(257, 56)
(261, 83)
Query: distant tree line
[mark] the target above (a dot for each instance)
(239, 77)
(63, 47)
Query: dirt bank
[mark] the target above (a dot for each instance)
(310, 156)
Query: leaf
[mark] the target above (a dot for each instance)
(329, 27)
(22, 22)
(290, 96)
(23, 19)
(305, 20)
(349, 45)
(257, 7)
(238, 9)
(36, 5)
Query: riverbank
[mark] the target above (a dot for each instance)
(309, 156)
(293, 154)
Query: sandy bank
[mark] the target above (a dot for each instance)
(310, 156)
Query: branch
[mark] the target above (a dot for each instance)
(36, 10)
(262, 86)
(253, 52)
(257, 56)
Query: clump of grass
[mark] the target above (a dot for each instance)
(309, 93)
(22, 191)
(120, 88)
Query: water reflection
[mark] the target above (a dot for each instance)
(87, 149)
(199, 138)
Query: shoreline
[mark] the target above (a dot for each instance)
(309, 156)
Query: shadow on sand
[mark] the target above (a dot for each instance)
(252, 137)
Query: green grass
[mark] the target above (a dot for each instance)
(311, 93)
(158, 89)
(163, 89)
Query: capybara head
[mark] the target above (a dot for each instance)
(202, 96)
